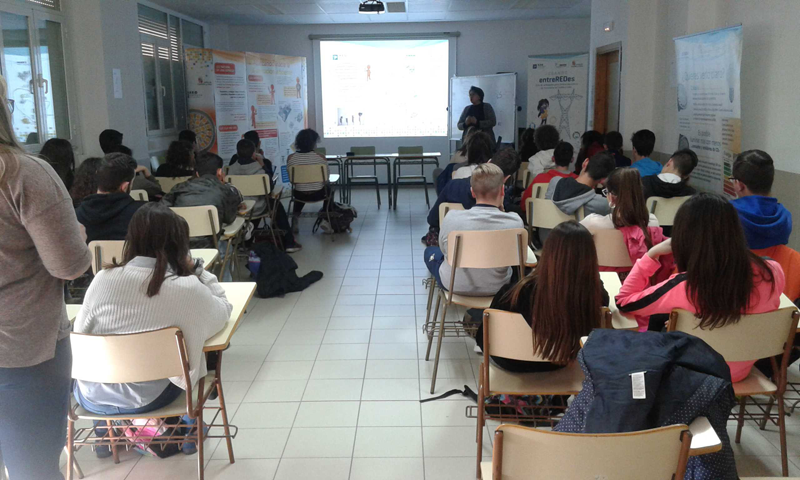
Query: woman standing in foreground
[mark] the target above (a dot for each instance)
(42, 246)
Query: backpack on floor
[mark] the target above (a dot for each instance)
(341, 218)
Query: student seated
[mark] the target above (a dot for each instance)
(189, 137)
(255, 163)
(560, 300)
(179, 162)
(766, 222)
(58, 153)
(570, 194)
(591, 143)
(546, 138)
(479, 150)
(208, 187)
(155, 285)
(107, 213)
(304, 143)
(109, 139)
(643, 143)
(247, 164)
(85, 183)
(629, 215)
(562, 158)
(458, 191)
(718, 277)
(459, 159)
(143, 180)
(488, 189)
(612, 141)
(674, 177)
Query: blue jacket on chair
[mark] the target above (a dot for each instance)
(684, 379)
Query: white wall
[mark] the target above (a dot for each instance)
(483, 48)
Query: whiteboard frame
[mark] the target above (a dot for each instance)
(450, 133)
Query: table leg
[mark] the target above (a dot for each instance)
(389, 179)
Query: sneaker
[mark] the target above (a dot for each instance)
(477, 350)
(294, 248)
(325, 226)
(190, 448)
(424, 240)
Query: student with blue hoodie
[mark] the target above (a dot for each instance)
(644, 141)
(766, 222)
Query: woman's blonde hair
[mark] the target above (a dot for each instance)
(9, 146)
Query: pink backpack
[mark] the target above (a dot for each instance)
(637, 248)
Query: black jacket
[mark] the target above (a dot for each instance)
(684, 379)
(106, 215)
(655, 187)
(277, 273)
(206, 190)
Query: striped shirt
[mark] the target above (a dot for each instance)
(307, 158)
(117, 303)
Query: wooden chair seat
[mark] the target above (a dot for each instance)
(755, 384)
(469, 302)
(174, 409)
(564, 381)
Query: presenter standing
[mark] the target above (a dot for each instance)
(478, 114)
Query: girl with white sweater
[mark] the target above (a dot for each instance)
(156, 285)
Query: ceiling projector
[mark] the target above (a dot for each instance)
(371, 7)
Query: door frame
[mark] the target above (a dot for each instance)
(599, 100)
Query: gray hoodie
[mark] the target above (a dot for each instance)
(569, 196)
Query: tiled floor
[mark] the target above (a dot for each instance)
(325, 384)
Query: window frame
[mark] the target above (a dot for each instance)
(160, 85)
(34, 13)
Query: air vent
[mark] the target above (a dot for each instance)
(395, 7)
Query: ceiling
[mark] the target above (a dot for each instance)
(305, 12)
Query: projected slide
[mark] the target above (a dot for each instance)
(384, 88)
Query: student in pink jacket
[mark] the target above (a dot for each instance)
(718, 277)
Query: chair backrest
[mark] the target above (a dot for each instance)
(508, 335)
(410, 150)
(523, 167)
(321, 150)
(525, 453)
(104, 252)
(611, 248)
(203, 220)
(544, 213)
(445, 207)
(363, 150)
(168, 182)
(527, 178)
(539, 189)
(120, 358)
(665, 208)
(308, 174)
(754, 336)
(140, 195)
(250, 185)
(487, 249)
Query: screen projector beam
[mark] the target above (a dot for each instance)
(400, 123)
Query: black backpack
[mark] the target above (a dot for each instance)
(341, 218)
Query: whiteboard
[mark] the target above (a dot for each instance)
(500, 91)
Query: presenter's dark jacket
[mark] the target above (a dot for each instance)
(484, 113)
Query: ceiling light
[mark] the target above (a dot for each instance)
(371, 7)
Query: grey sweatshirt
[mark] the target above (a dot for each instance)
(476, 281)
(570, 196)
(41, 247)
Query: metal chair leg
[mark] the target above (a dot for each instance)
(481, 422)
(430, 326)
(782, 427)
(438, 348)
(740, 420)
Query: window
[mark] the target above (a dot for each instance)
(34, 66)
(163, 39)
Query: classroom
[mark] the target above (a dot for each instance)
(399, 239)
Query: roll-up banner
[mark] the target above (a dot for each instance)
(557, 94)
(709, 111)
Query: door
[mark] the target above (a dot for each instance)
(607, 89)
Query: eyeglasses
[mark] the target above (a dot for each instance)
(605, 192)
(10, 103)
